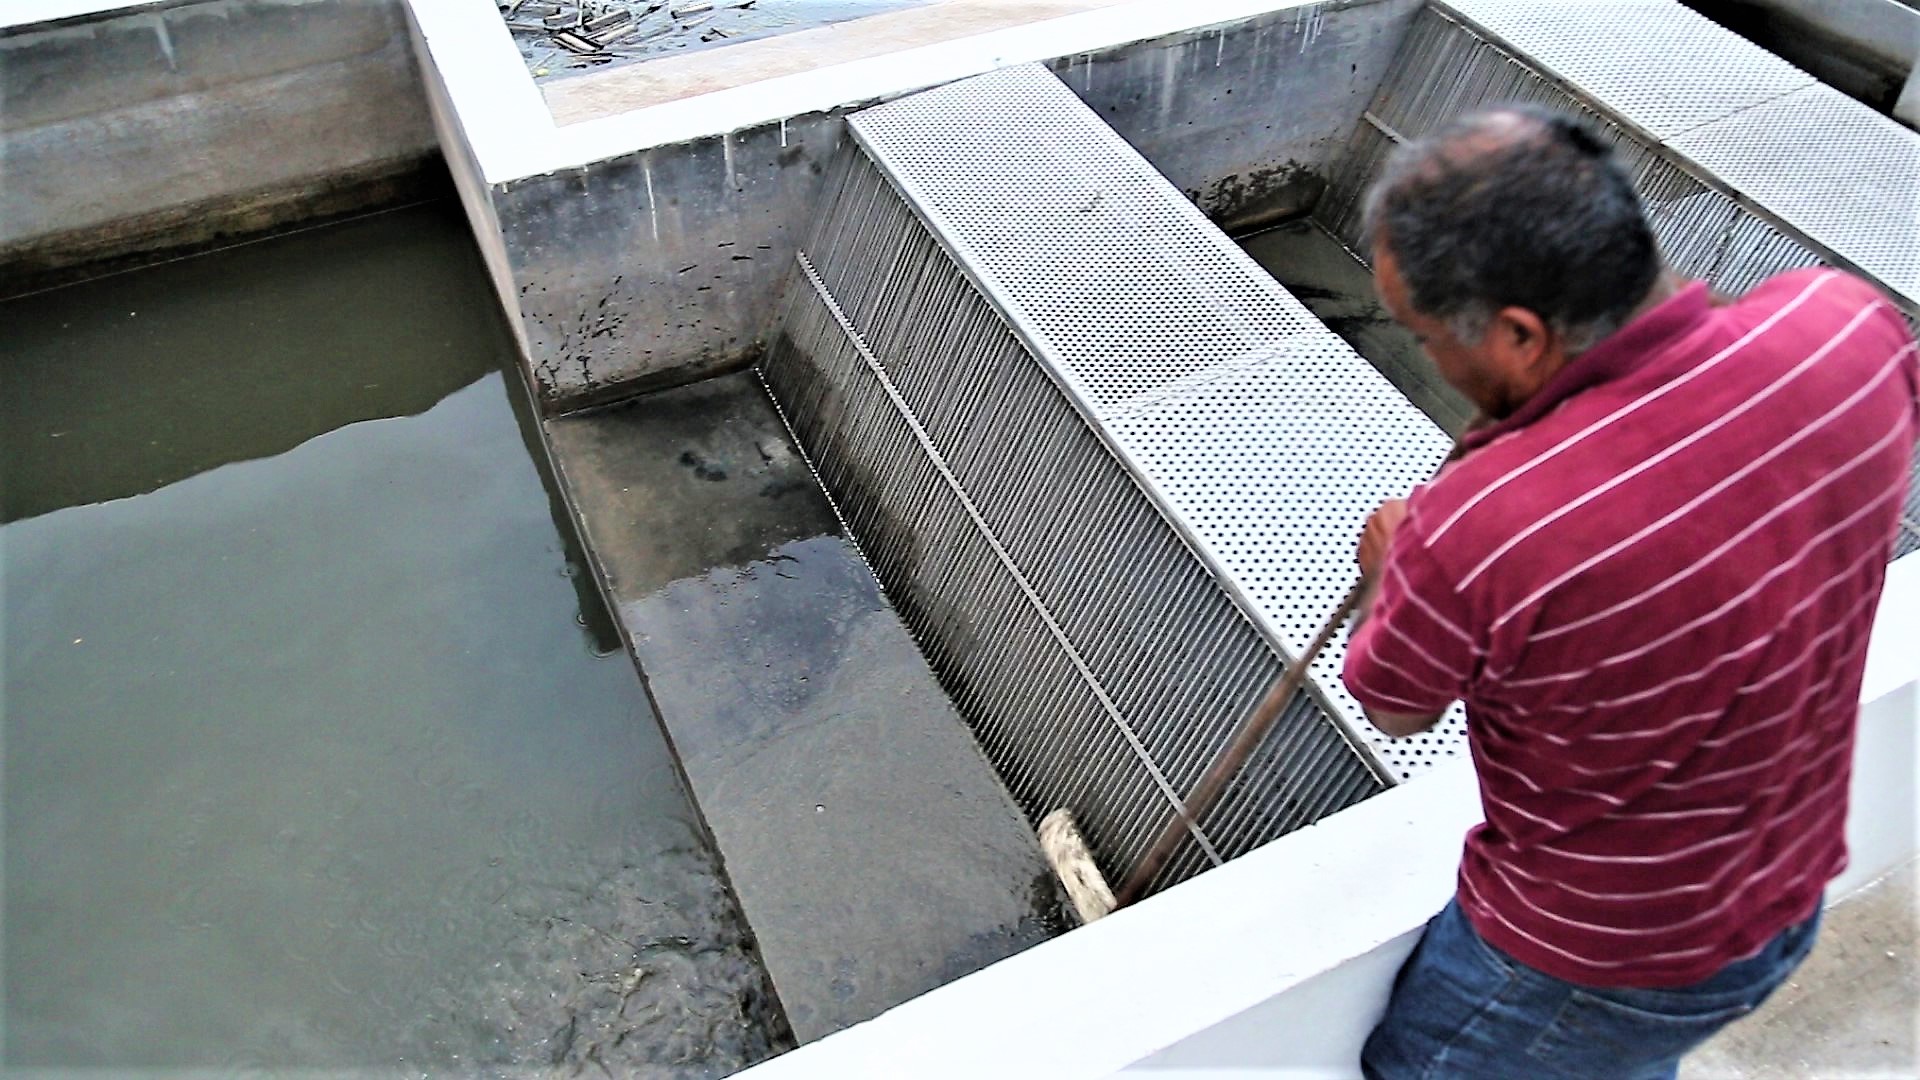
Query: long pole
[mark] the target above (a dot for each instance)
(1234, 756)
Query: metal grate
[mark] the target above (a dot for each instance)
(1746, 166)
(1906, 540)
(1120, 320)
(1106, 468)
(1446, 69)
(1663, 67)
(1836, 172)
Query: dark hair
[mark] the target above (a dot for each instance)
(1517, 206)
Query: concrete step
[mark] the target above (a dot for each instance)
(874, 851)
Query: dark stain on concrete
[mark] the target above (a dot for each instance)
(702, 467)
(1261, 195)
(875, 852)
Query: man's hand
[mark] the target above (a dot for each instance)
(1377, 537)
(1375, 540)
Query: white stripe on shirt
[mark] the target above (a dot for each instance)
(1840, 625)
(1815, 543)
(1893, 434)
(1521, 536)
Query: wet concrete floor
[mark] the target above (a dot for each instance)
(874, 850)
(1338, 289)
(312, 756)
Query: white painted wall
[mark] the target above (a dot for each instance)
(1278, 964)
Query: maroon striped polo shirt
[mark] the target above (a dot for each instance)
(1652, 587)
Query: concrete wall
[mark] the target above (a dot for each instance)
(661, 266)
(1247, 119)
(476, 195)
(648, 249)
(1867, 48)
(178, 123)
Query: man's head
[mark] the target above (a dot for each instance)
(1509, 242)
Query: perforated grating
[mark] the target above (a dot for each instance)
(1907, 539)
(1654, 62)
(1119, 319)
(1274, 503)
(1107, 469)
(1446, 69)
(1221, 332)
(1844, 176)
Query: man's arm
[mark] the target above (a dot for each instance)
(1398, 726)
(1375, 541)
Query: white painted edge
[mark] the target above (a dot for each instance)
(513, 134)
(494, 99)
(1907, 108)
(1106, 995)
(1893, 652)
(1145, 978)
(880, 77)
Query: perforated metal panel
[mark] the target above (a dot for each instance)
(1123, 288)
(1447, 68)
(1805, 174)
(1107, 468)
(1845, 177)
(1273, 464)
(1907, 540)
(1746, 166)
(1656, 63)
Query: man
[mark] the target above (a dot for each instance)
(1650, 575)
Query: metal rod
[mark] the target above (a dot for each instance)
(1235, 755)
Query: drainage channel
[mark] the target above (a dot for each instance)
(317, 755)
(874, 851)
(1338, 289)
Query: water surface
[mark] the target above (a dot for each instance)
(310, 757)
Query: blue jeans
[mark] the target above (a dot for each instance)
(1462, 1008)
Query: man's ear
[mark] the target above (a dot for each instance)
(1520, 338)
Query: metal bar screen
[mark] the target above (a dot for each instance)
(1107, 469)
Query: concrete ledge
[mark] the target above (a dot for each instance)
(1340, 898)
(625, 89)
(873, 849)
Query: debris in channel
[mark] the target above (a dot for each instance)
(558, 36)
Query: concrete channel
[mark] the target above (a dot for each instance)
(638, 221)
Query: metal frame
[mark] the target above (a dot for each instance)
(1106, 421)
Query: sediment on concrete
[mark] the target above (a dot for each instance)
(873, 849)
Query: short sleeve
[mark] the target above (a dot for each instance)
(1414, 653)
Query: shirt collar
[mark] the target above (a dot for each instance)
(1618, 355)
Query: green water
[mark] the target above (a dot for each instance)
(310, 756)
